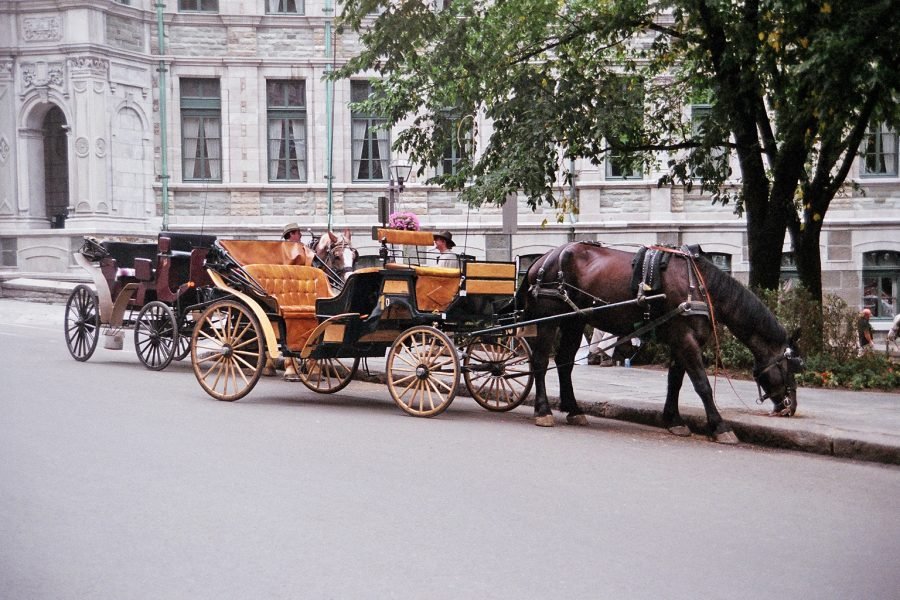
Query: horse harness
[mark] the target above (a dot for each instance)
(648, 264)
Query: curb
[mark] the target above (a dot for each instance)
(822, 443)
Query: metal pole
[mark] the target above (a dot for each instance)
(329, 108)
(163, 138)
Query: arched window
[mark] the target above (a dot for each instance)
(721, 260)
(880, 282)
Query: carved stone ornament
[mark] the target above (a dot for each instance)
(42, 74)
(6, 69)
(100, 145)
(42, 29)
(4, 149)
(89, 64)
(82, 147)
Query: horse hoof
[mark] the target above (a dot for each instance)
(726, 437)
(544, 421)
(680, 430)
(576, 420)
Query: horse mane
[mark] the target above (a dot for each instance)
(739, 308)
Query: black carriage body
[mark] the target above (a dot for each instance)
(379, 304)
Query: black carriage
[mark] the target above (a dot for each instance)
(154, 289)
(425, 319)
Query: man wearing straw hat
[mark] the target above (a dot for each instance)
(291, 232)
(443, 242)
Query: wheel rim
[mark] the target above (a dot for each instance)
(423, 371)
(227, 351)
(82, 323)
(326, 375)
(156, 336)
(498, 373)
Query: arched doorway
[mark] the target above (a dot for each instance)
(56, 166)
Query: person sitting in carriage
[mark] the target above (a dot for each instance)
(290, 233)
(443, 243)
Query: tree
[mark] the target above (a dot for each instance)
(791, 85)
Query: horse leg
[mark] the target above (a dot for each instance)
(671, 417)
(719, 430)
(565, 358)
(540, 358)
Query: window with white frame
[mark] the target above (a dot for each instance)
(459, 144)
(879, 152)
(790, 277)
(371, 144)
(621, 164)
(201, 130)
(285, 7)
(286, 105)
(716, 156)
(198, 5)
(881, 280)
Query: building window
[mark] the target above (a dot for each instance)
(453, 151)
(881, 279)
(716, 158)
(790, 278)
(201, 130)
(125, 2)
(620, 165)
(8, 252)
(285, 7)
(199, 5)
(879, 152)
(721, 260)
(286, 102)
(371, 142)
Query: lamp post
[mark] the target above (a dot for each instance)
(399, 174)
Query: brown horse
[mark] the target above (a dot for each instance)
(582, 275)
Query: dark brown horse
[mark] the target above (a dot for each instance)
(582, 275)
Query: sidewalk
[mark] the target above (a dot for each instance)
(845, 424)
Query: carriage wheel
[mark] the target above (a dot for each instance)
(156, 335)
(183, 348)
(326, 375)
(82, 322)
(423, 371)
(498, 372)
(227, 350)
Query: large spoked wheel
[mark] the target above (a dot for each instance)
(326, 375)
(227, 350)
(423, 371)
(498, 372)
(156, 335)
(82, 323)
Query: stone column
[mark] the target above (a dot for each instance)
(8, 187)
(89, 184)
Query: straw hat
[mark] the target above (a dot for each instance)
(446, 236)
(288, 229)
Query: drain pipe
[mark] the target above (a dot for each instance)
(163, 141)
(328, 9)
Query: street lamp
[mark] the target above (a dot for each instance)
(399, 174)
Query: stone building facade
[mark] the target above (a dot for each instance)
(247, 136)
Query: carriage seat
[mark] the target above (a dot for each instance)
(436, 287)
(295, 288)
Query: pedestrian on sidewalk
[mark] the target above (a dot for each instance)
(864, 331)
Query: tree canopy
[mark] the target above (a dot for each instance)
(790, 87)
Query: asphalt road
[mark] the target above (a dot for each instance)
(117, 482)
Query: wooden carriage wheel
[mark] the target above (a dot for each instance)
(227, 350)
(423, 371)
(498, 372)
(156, 335)
(326, 375)
(82, 322)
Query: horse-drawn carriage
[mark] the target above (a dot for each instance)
(425, 318)
(153, 288)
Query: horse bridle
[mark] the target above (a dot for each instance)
(783, 363)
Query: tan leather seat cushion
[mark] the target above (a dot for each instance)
(251, 252)
(296, 289)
